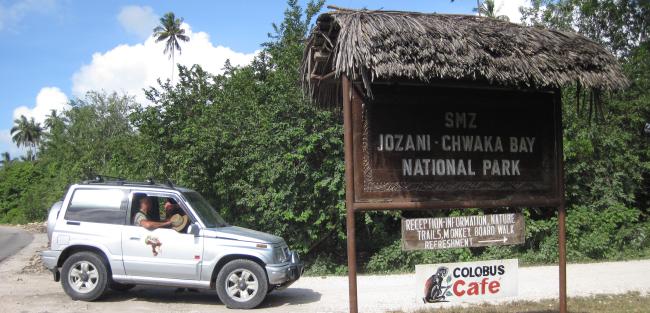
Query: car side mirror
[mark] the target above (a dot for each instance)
(193, 229)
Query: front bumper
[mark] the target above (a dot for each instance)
(50, 259)
(284, 275)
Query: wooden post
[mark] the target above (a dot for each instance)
(349, 194)
(561, 213)
(561, 216)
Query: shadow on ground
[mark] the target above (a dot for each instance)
(291, 296)
(288, 297)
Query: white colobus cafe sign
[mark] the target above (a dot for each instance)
(470, 281)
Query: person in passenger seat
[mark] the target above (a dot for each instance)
(175, 214)
(172, 207)
(141, 219)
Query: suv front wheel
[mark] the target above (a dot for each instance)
(242, 284)
(84, 276)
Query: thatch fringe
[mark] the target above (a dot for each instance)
(387, 45)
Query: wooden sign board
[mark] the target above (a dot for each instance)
(454, 147)
(462, 231)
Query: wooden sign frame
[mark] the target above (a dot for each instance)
(353, 138)
(398, 195)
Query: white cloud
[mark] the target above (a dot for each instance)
(6, 145)
(5, 137)
(130, 68)
(138, 20)
(12, 14)
(48, 99)
(510, 8)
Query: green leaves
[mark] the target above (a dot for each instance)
(249, 141)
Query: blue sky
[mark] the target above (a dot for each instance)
(55, 50)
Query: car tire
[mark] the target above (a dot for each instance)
(120, 287)
(242, 284)
(84, 276)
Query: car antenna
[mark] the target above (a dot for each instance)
(169, 182)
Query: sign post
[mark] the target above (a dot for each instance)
(349, 194)
(450, 111)
(562, 252)
(424, 147)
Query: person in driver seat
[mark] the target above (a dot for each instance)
(141, 219)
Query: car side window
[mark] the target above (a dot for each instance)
(97, 206)
(163, 208)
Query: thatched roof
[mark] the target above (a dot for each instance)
(370, 46)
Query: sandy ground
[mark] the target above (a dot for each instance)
(26, 287)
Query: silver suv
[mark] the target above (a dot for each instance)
(95, 246)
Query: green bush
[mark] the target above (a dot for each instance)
(251, 143)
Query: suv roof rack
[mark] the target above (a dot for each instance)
(111, 180)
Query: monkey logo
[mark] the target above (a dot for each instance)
(434, 291)
(154, 243)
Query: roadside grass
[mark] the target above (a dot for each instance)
(625, 303)
(341, 270)
(398, 262)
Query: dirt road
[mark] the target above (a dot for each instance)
(12, 240)
(25, 287)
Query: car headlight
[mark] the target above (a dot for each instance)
(281, 255)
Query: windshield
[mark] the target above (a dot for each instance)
(206, 212)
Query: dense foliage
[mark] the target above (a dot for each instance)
(267, 159)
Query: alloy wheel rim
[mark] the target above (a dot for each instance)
(83, 277)
(241, 285)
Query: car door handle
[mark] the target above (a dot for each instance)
(135, 238)
(73, 223)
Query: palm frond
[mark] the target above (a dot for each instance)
(171, 32)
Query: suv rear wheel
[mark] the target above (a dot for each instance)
(84, 276)
(242, 284)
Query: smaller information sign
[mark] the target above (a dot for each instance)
(462, 231)
(470, 281)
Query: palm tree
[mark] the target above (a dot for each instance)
(29, 156)
(51, 119)
(171, 33)
(6, 159)
(488, 9)
(26, 132)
